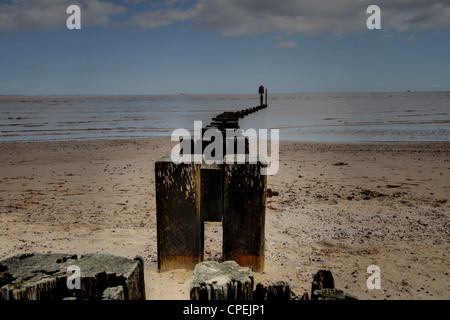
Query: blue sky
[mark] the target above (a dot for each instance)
(217, 46)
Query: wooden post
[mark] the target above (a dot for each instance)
(279, 291)
(266, 97)
(39, 276)
(221, 281)
(178, 217)
(323, 279)
(244, 208)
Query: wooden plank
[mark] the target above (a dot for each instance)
(179, 223)
(244, 208)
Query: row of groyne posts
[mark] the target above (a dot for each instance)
(230, 119)
(192, 192)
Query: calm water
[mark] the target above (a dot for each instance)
(411, 116)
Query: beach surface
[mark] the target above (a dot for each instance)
(341, 207)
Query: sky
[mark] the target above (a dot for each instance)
(217, 46)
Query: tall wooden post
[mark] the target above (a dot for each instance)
(179, 222)
(244, 208)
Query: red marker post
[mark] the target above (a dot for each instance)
(261, 92)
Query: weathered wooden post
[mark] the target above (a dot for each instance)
(266, 100)
(179, 222)
(221, 281)
(39, 276)
(279, 291)
(244, 210)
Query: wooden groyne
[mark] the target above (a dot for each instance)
(230, 119)
(189, 193)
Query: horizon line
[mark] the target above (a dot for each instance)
(229, 93)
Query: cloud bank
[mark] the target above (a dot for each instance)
(234, 17)
(51, 14)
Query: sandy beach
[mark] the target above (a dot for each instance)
(341, 207)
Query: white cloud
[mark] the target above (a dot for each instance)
(161, 18)
(419, 15)
(100, 12)
(239, 17)
(286, 44)
(343, 17)
(51, 14)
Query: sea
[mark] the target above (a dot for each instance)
(318, 117)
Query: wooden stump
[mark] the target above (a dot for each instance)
(44, 277)
(322, 288)
(260, 293)
(244, 209)
(178, 216)
(221, 281)
(279, 291)
(323, 279)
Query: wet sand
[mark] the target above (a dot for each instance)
(340, 207)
